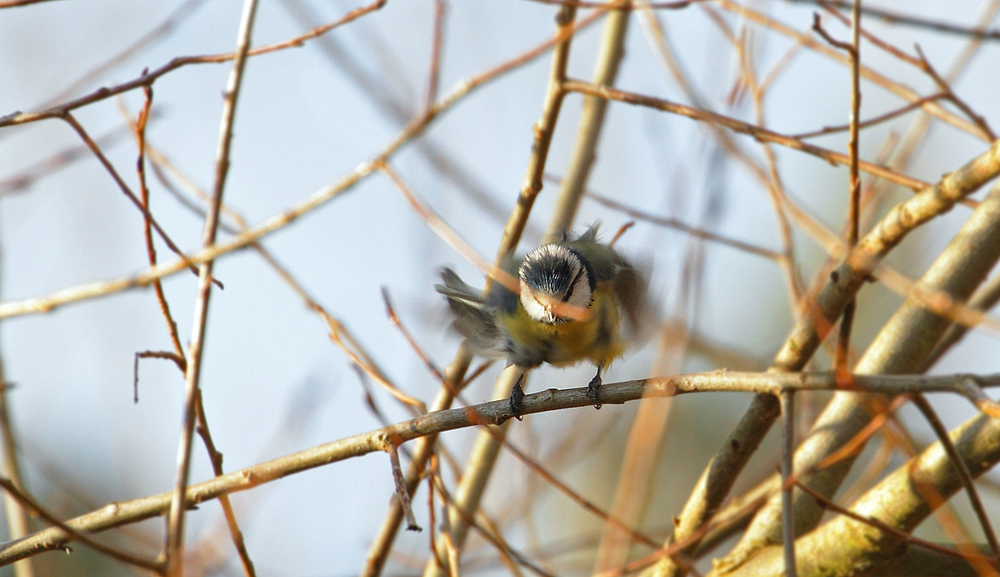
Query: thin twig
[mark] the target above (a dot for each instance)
(434, 70)
(908, 20)
(811, 330)
(584, 503)
(71, 120)
(757, 132)
(486, 448)
(16, 3)
(983, 300)
(903, 535)
(227, 507)
(61, 110)
(165, 355)
(202, 428)
(401, 492)
(920, 62)
(784, 209)
(494, 538)
(139, 128)
(175, 528)
(621, 6)
(683, 227)
(872, 121)
(416, 127)
(21, 181)
(338, 334)
(841, 362)
(162, 30)
(592, 114)
(940, 302)
(963, 470)
(943, 85)
(897, 88)
(29, 502)
(391, 312)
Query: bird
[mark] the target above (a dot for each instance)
(577, 300)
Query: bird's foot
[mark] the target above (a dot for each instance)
(516, 400)
(592, 390)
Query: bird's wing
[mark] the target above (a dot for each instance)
(473, 316)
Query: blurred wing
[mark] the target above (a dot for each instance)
(639, 316)
(473, 317)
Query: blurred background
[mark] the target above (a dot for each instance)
(274, 383)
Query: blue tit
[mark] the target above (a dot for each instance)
(578, 300)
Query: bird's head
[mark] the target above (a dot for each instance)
(557, 284)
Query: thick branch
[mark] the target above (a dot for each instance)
(490, 413)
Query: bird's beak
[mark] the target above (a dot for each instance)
(556, 309)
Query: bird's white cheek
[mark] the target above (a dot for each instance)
(534, 308)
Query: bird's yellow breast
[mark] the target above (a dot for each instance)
(595, 338)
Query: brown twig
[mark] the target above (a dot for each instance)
(401, 492)
(853, 50)
(227, 507)
(174, 547)
(963, 470)
(902, 535)
(897, 88)
(939, 302)
(853, 446)
(22, 180)
(448, 234)
(60, 111)
(584, 503)
(17, 3)
(29, 502)
(908, 20)
(922, 63)
(683, 227)
(431, 367)
(872, 121)
(139, 128)
(741, 127)
(434, 70)
(622, 6)
(980, 121)
(493, 538)
(592, 114)
(280, 220)
(983, 300)
(165, 355)
(784, 209)
(162, 30)
(813, 327)
(338, 333)
(71, 120)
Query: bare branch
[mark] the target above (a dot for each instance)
(490, 413)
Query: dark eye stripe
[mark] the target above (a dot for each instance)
(572, 285)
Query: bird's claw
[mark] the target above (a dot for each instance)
(592, 390)
(516, 400)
